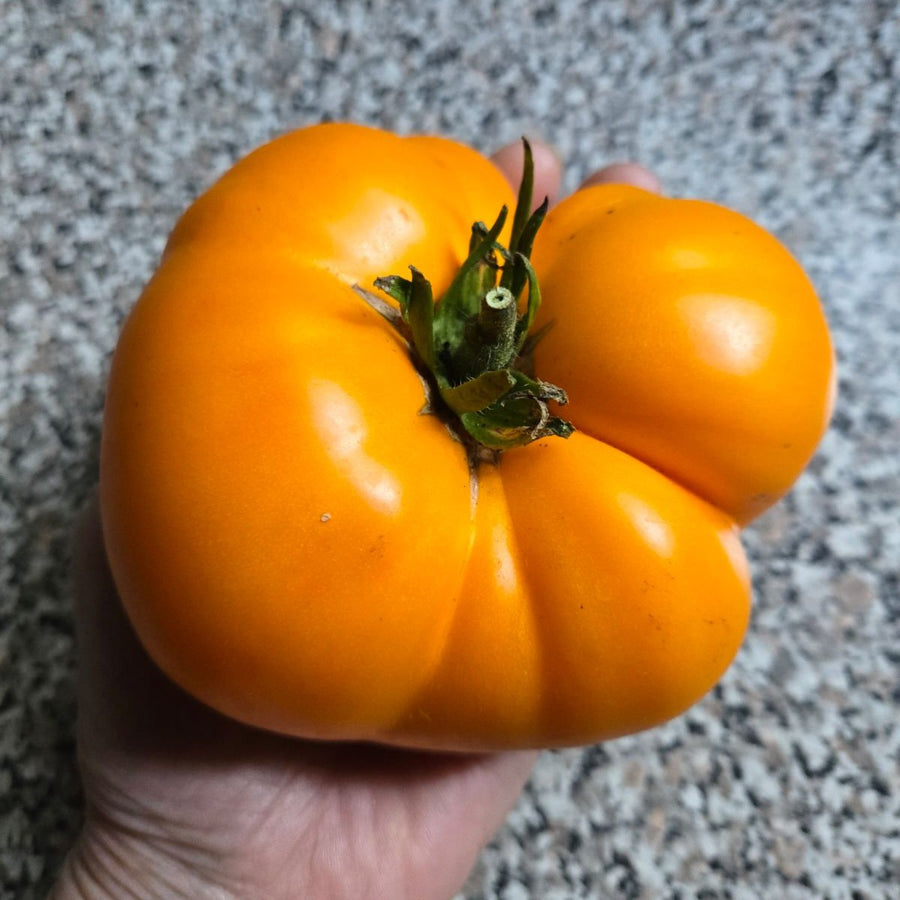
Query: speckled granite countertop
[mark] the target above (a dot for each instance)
(785, 781)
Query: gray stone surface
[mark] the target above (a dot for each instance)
(785, 781)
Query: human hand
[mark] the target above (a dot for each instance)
(183, 802)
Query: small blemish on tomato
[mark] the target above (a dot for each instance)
(325, 517)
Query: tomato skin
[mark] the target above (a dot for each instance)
(616, 599)
(302, 549)
(688, 336)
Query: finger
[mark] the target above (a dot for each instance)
(625, 173)
(547, 169)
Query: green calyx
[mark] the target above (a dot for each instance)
(474, 344)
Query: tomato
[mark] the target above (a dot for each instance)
(300, 545)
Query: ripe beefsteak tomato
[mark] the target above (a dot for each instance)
(338, 502)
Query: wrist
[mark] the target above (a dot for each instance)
(105, 866)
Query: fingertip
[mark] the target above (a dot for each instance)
(625, 173)
(547, 168)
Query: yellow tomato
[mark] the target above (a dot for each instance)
(300, 547)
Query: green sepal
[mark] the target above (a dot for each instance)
(523, 326)
(516, 419)
(416, 303)
(523, 200)
(519, 416)
(478, 393)
(525, 243)
(541, 390)
(420, 317)
(397, 288)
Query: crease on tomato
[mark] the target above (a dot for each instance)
(489, 678)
